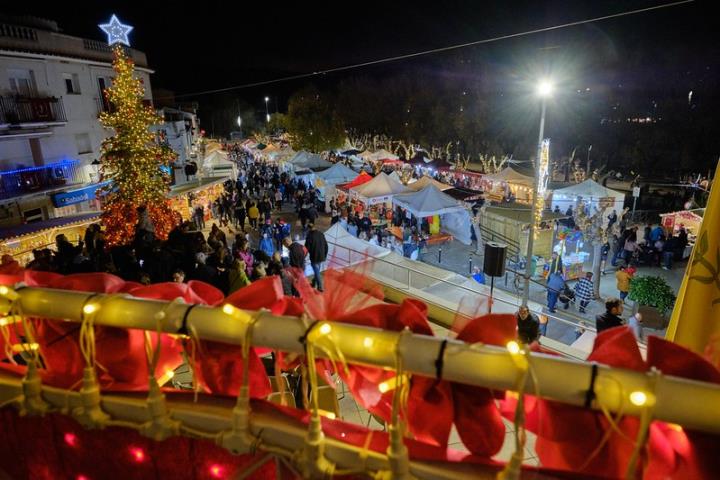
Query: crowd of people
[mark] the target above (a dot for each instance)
(260, 247)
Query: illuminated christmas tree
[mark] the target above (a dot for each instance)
(132, 160)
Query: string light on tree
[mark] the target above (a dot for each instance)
(132, 159)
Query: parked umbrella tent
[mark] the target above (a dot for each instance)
(431, 202)
(380, 189)
(592, 193)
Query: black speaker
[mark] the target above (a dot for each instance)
(494, 263)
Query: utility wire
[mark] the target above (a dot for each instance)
(437, 50)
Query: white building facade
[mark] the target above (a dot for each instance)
(50, 97)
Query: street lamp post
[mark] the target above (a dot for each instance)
(544, 90)
(267, 113)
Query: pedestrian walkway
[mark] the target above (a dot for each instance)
(462, 259)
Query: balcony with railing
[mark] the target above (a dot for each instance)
(17, 111)
(24, 181)
(36, 40)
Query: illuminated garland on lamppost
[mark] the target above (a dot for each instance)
(132, 159)
(542, 182)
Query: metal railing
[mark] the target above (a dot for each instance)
(19, 110)
(407, 278)
(36, 179)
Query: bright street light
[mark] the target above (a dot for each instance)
(545, 88)
(239, 121)
(267, 113)
(267, 99)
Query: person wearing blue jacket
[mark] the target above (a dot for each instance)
(555, 286)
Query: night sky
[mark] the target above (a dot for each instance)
(231, 43)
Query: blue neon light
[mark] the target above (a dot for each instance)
(63, 163)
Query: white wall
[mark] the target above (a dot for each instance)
(81, 110)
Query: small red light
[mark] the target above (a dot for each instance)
(216, 471)
(81, 477)
(70, 439)
(137, 454)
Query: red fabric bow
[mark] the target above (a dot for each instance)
(433, 406)
(567, 435)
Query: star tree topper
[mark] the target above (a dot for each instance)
(116, 31)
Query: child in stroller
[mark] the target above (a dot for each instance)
(566, 297)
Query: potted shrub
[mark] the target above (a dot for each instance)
(654, 297)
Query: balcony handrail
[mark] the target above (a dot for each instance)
(17, 109)
(682, 401)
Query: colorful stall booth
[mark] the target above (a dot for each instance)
(688, 219)
(569, 248)
(447, 218)
(371, 196)
(184, 199)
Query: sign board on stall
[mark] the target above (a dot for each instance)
(636, 192)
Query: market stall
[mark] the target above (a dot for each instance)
(688, 219)
(204, 192)
(500, 185)
(305, 160)
(217, 164)
(20, 241)
(569, 248)
(594, 195)
(337, 174)
(464, 178)
(378, 155)
(371, 197)
(380, 189)
(424, 181)
(445, 213)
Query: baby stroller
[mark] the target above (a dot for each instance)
(566, 297)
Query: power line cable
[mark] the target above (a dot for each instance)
(435, 50)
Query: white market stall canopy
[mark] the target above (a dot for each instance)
(378, 190)
(425, 181)
(337, 174)
(592, 193)
(379, 155)
(217, 164)
(509, 175)
(308, 160)
(427, 202)
(430, 201)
